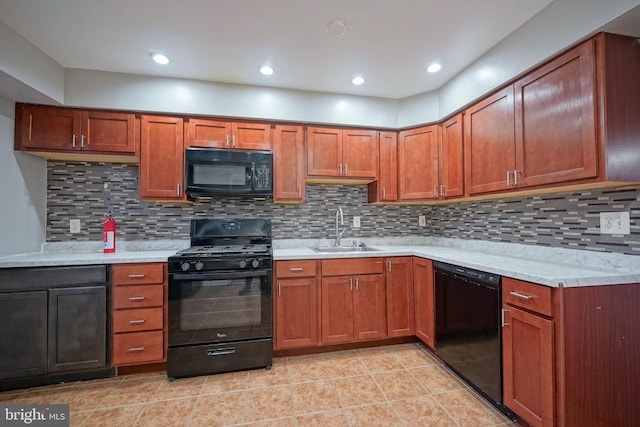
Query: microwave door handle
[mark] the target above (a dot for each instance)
(254, 178)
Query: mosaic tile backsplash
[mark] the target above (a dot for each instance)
(87, 191)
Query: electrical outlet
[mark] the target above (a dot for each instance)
(356, 222)
(74, 226)
(615, 223)
(422, 221)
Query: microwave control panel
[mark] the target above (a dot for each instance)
(263, 176)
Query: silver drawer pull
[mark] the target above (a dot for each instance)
(136, 276)
(136, 298)
(296, 269)
(136, 349)
(221, 351)
(519, 295)
(136, 321)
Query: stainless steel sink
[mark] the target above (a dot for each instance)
(344, 249)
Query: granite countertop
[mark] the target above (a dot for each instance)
(534, 264)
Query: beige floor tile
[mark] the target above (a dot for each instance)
(277, 375)
(184, 387)
(467, 409)
(414, 356)
(123, 416)
(281, 422)
(130, 392)
(170, 413)
(76, 418)
(36, 397)
(422, 411)
(268, 403)
(346, 366)
(333, 418)
(309, 370)
(398, 384)
(436, 379)
(315, 396)
(380, 414)
(380, 361)
(87, 396)
(356, 391)
(218, 409)
(222, 383)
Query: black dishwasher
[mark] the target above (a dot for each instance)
(468, 327)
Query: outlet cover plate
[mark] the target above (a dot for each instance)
(356, 222)
(74, 226)
(422, 221)
(615, 223)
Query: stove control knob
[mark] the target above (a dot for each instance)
(243, 264)
(255, 263)
(185, 266)
(199, 265)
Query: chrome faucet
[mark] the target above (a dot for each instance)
(340, 218)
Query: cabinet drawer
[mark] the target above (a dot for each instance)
(142, 319)
(138, 296)
(301, 268)
(536, 298)
(138, 347)
(351, 266)
(138, 274)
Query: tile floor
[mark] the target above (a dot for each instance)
(399, 385)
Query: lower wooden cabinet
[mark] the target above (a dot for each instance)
(400, 296)
(139, 313)
(424, 301)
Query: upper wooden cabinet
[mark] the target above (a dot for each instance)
(205, 133)
(385, 189)
(162, 158)
(418, 163)
(343, 153)
(451, 171)
(66, 130)
(288, 164)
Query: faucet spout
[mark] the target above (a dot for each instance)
(339, 221)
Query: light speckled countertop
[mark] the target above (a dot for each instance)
(525, 262)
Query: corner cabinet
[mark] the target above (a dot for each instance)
(424, 301)
(162, 159)
(451, 160)
(288, 164)
(400, 296)
(385, 189)
(418, 163)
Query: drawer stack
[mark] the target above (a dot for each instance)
(139, 313)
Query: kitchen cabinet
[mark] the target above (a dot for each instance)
(385, 189)
(208, 133)
(424, 301)
(42, 128)
(450, 159)
(288, 164)
(139, 313)
(342, 153)
(418, 163)
(296, 304)
(353, 305)
(400, 296)
(162, 158)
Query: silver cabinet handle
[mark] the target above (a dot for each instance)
(233, 140)
(508, 178)
(299, 191)
(279, 288)
(435, 190)
(296, 269)
(340, 169)
(226, 140)
(136, 321)
(351, 284)
(442, 190)
(519, 295)
(502, 312)
(178, 189)
(384, 193)
(389, 266)
(136, 349)
(515, 177)
(346, 169)
(357, 283)
(136, 298)
(73, 141)
(136, 276)
(82, 138)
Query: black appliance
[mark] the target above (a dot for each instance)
(220, 299)
(469, 327)
(212, 171)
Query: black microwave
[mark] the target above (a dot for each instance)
(212, 171)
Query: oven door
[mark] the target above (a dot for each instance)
(213, 307)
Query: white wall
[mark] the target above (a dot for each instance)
(23, 192)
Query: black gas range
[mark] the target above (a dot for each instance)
(220, 299)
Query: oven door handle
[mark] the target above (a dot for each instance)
(218, 276)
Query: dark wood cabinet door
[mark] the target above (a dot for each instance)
(424, 301)
(324, 152)
(108, 132)
(251, 136)
(527, 346)
(23, 335)
(555, 120)
(161, 158)
(296, 313)
(388, 167)
(203, 133)
(400, 297)
(451, 160)
(77, 328)
(336, 310)
(48, 128)
(369, 307)
(489, 143)
(359, 153)
(288, 162)
(418, 163)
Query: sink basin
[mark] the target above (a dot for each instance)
(344, 249)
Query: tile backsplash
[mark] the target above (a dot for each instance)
(87, 191)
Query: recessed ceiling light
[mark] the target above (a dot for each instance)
(357, 80)
(266, 70)
(434, 68)
(336, 28)
(159, 58)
